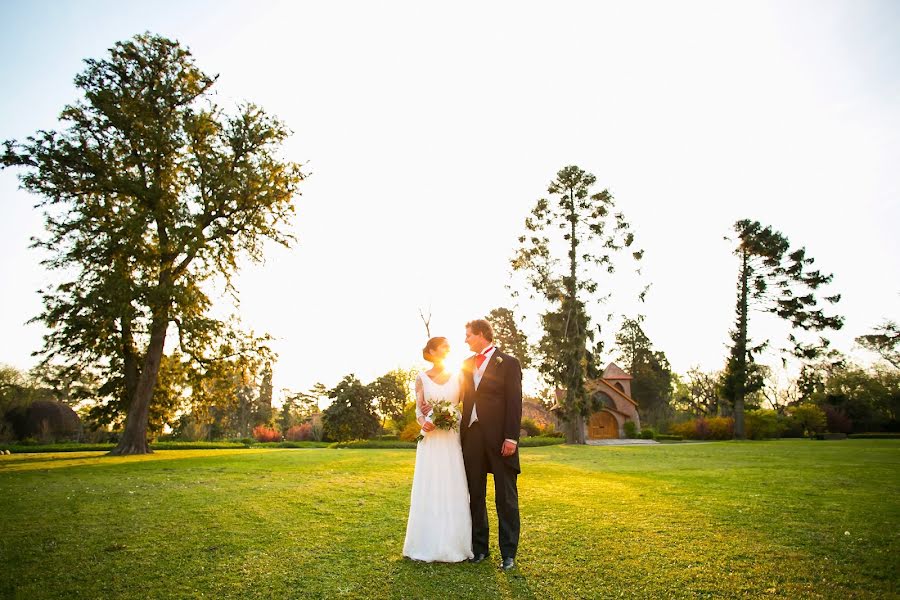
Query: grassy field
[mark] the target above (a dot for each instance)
(791, 519)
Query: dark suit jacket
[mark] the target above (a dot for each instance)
(499, 402)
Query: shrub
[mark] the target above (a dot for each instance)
(761, 424)
(299, 433)
(701, 428)
(875, 436)
(540, 440)
(549, 430)
(837, 420)
(630, 429)
(530, 427)
(720, 428)
(810, 417)
(410, 432)
(373, 444)
(685, 429)
(647, 433)
(291, 444)
(665, 437)
(261, 433)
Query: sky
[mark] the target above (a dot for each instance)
(430, 129)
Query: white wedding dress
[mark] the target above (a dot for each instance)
(439, 528)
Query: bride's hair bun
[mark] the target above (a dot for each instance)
(432, 345)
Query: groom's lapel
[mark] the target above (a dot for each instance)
(491, 365)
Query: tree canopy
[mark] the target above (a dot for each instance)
(149, 192)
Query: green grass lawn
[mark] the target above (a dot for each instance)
(791, 519)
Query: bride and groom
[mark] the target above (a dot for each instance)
(448, 519)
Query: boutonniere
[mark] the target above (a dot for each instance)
(499, 360)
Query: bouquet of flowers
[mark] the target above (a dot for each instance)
(443, 415)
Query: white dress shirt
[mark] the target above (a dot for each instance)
(477, 375)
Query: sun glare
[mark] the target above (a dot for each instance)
(454, 361)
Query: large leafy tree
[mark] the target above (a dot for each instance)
(699, 393)
(392, 392)
(571, 241)
(775, 279)
(653, 379)
(150, 191)
(509, 336)
(350, 415)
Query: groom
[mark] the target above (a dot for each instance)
(492, 418)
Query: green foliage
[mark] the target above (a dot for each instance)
(869, 399)
(299, 407)
(410, 431)
(703, 428)
(630, 430)
(530, 426)
(509, 336)
(699, 393)
(370, 444)
(667, 437)
(653, 381)
(884, 341)
(875, 436)
(536, 441)
(570, 240)
(773, 279)
(763, 424)
(77, 447)
(149, 193)
(350, 416)
(392, 392)
(648, 433)
(291, 444)
(809, 417)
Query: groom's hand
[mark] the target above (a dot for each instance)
(508, 449)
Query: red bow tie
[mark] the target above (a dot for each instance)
(480, 358)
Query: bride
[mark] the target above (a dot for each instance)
(439, 528)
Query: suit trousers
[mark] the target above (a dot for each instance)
(479, 459)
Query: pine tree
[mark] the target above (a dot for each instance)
(774, 279)
(571, 241)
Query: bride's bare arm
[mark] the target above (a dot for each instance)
(420, 401)
(422, 407)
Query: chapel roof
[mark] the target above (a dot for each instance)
(613, 372)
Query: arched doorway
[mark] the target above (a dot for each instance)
(603, 426)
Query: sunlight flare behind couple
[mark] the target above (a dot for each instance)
(448, 519)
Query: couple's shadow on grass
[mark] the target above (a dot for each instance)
(416, 579)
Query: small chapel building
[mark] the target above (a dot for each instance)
(613, 392)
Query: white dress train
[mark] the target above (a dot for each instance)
(439, 528)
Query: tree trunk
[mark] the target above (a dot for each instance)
(129, 359)
(743, 308)
(134, 438)
(571, 429)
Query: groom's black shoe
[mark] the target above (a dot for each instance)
(507, 563)
(478, 558)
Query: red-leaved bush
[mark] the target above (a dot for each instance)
(299, 433)
(264, 434)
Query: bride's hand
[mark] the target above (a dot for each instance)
(427, 426)
(426, 409)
